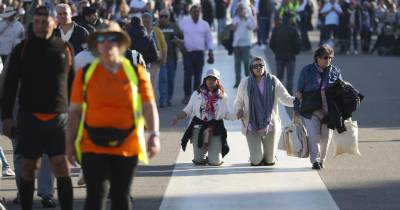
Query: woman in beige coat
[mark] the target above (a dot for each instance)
(257, 107)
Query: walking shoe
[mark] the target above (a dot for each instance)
(269, 164)
(8, 172)
(236, 85)
(316, 166)
(48, 202)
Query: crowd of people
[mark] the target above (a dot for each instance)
(83, 78)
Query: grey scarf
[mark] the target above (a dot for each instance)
(261, 105)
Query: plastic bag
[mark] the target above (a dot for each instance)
(295, 140)
(347, 142)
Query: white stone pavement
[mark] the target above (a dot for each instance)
(290, 184)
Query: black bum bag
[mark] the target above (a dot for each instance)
(108, 136)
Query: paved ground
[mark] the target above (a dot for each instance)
(371, 181)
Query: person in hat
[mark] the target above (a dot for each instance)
(119, 99)
(208, 107)
(256, 103)
(41, 68)
(11, 31)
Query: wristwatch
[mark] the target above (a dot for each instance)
(153, 133)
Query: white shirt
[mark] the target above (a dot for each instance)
(196, 103)
(243, 35)
(332, 18)
(197, 36)
(11, 33)
(66, 36)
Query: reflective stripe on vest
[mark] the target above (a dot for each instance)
(136, 109)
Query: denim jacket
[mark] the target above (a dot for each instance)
(308, 80)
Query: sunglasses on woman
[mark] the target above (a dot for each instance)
(257, 66)
(327, 57)
(112, 38)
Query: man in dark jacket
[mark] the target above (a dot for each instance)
(42, 69)
(68, 30)
(285, 43)
(142, 42)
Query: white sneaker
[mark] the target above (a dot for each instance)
(8, 172)
(355, 52)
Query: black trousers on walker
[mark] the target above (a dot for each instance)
(104, 171)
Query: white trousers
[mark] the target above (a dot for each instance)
(319, 138)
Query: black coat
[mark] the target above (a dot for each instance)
(143, 44)
(219, 130)
(343, 99)
(78, 37)
(285, 42)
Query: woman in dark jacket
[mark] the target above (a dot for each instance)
(311, 102)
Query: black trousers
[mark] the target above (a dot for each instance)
(104, 171)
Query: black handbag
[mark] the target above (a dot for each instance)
(312, 101)
(108, 136)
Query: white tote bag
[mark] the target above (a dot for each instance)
(347, 142)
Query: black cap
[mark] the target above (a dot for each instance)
(42, 11)
(87, 11)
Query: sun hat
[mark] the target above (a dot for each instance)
(8, 12)
(108, 27)
(213, 73)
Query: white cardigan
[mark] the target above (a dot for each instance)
(222, 110)
(281, 95)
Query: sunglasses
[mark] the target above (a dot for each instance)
(211, 78)
(112, 38)
(164, 16)
(257, 66)
(327, 57)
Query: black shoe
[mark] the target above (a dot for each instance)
(48, 202)
(316, 166)
(259, 164)
(236, 85)
(269, 164)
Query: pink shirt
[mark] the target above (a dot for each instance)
(197, 36)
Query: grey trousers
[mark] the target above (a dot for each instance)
(319, 138)
(261, 147)
(214, 149)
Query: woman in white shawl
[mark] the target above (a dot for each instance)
(257, 107)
